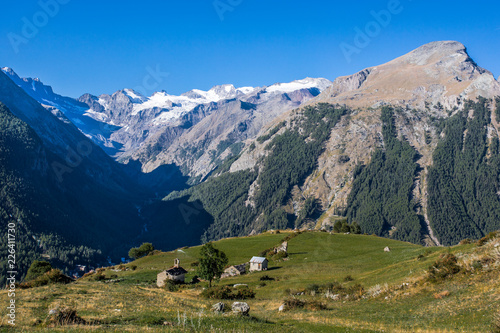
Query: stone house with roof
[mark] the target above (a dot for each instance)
(175, 273)
(234, 271)
(258, 264)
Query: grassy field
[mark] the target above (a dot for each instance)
(396, 297)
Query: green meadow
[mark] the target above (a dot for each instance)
(395, 296)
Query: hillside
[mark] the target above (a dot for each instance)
(396, 295)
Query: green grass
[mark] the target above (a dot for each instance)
(135, 304)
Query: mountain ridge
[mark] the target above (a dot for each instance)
(132, 127)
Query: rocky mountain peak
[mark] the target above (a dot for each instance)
(9, 71)
(134, 96)
(436, 72)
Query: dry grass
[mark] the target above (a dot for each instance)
(442, 294)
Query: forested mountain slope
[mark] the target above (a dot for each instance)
(420, 167)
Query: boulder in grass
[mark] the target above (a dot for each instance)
(387, 249)
(66, 316)
(241, 308)
(218, 307)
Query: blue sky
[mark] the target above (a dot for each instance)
(103, 46)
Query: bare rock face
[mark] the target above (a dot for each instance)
(351, 142)
(225, 128)
(436, 72)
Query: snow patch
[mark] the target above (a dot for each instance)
(306, 83)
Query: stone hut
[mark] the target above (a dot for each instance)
(234, 271)
(258, 264)
(174, 273)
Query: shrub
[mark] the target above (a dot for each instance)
(313, 288)
(52, 276)
(88, 274)
(262, 284)
(37, 268)
(355, 228)
(141, 251)
(290, 236)
(465, 241)
(99, 276)
(219, 292)
(356, 291)
(348, 278)
(446, 266)
(266, 252)
(171, 286)
(278, 256)
(154, 252)
(133, 267)
(337, 227)
(266, 278)
(477, 265)
(315, 305)
(486, 238)
(226, 292)
(345, 228)
(67, 316)
(293, 303)
(335, 287)
(343, 159)
(244, 293)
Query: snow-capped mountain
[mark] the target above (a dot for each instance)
(158, 129)
(128, 102)
(66, 108)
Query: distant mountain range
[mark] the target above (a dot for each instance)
(159, 129)
(408, 149)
